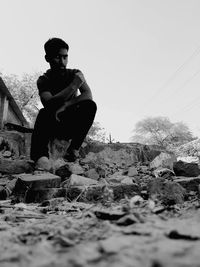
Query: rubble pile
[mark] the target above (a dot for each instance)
(124, 171)
(96, 210)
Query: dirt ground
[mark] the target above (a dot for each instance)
(138, 233)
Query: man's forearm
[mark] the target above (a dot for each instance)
(83, 96)
(60, 98)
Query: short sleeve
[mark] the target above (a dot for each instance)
(42, 84)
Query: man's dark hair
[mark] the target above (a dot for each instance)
(53, 45)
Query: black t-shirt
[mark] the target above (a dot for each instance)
(54, 82)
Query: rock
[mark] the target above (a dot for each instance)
(77, 180)
(26, 183)
(8, 166)
(164, 160)
(190, 183)
(127, 181)
(167, 192)
(116, 177)
(164, 173)
(128, 220)
(132, 171)
(109, 215)
(186, 169)
(92, 174)
(144, 169)
(69, 168)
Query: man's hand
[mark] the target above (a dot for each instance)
(79, 79)
(60, 110)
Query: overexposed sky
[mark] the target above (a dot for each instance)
(140, 57)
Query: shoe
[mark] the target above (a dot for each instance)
(71, 155)
(43, 164)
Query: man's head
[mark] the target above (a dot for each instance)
(56, 53)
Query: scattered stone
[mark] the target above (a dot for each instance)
(92, 174)
(164, 160)
(132, 171)
(109, 215)
(9, 166)
(77, 180)
(69, 168)
(127, 220)
(136, 200)
(127, 181)
(164, 173)
(169, 193)
(186, 169)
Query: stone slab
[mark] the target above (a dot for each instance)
(37, 181)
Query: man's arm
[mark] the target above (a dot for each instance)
(86, 94)
(48, 100)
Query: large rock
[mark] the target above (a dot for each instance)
(186, 169)
(9, 166)
(169, 192)
(37, 181)
(164, 160)
(28, 183)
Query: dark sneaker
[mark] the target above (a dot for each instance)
(72, 155)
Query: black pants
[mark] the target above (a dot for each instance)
(74, 124)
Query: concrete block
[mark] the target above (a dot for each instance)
(38, 181)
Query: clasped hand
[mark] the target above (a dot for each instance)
(78, 81)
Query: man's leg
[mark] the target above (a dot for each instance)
(76, 122)
(43, 130)
(84, 115)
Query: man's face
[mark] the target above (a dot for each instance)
(59, 61)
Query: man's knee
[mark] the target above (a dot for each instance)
(89, 105)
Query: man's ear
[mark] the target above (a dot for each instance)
(47, 58)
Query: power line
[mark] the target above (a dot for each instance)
(184, 84)
(173, 76)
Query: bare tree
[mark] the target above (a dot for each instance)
(161, 131)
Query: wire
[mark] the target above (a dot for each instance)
(173, 76)
(184, 84)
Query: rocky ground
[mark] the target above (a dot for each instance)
(110, 208)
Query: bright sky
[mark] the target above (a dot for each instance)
(140, 57)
